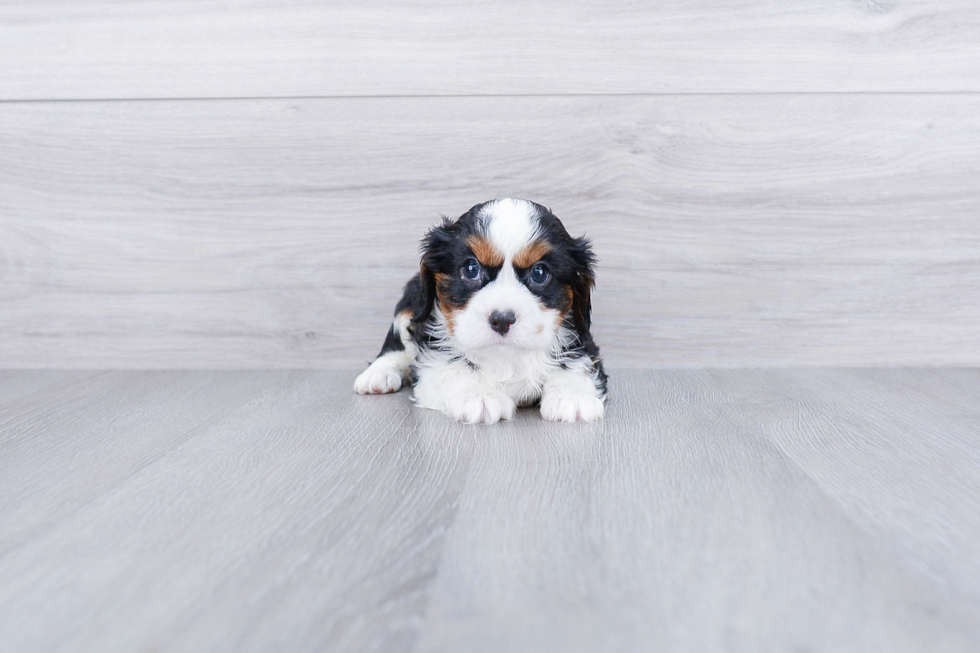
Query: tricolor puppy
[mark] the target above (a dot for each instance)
(498, 317)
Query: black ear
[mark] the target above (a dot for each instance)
(419, 295)
(581, 251)
(435, 255)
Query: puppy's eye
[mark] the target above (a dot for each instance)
(470, 270)
(539, 273)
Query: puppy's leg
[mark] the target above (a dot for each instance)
(575, 393)
(393, 366)
(462, 393)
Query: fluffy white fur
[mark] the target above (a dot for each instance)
(386, 374)
(511, 225)
(504, 378)
(389, 371)
(569, 395)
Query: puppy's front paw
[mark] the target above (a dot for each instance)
(380, 377)
(484, 407)
(566, 406)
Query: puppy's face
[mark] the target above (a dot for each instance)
(508, 275)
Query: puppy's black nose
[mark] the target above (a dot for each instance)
(500, 322)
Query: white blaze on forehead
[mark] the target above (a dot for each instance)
(511, 225)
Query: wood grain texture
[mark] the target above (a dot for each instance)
(682, 524)
(176, 48)
(15, 387)
(727, 510)
(234, 533)
(34, 428)
(906, 439)
(731, 230)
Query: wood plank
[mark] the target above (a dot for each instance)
(680, 525)
(176, 48)
(307, 518)
(731, 231)
(14, 386)
(119, 423)
(859, 434)
(711, 510)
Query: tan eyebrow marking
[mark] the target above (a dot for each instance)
(485, 252)
(531, 254)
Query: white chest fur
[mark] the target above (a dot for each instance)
(518, 374)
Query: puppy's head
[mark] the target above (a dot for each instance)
(506, 274)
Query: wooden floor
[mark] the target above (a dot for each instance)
(737, 510)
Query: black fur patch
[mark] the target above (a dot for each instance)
(393, 342)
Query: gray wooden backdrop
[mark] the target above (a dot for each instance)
(237, 185)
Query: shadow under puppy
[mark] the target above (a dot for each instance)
(499, 316)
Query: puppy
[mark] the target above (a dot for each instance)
(499, 316)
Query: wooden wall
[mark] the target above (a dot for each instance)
(187, 184)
